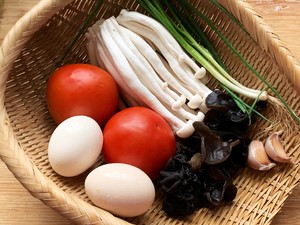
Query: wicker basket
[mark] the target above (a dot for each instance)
(30, 53)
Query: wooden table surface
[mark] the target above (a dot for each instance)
(17, 206)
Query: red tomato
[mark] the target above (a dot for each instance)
(140, 137)
(82, 89)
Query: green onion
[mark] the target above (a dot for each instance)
(205, 19)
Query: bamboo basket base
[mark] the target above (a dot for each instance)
(26, 127)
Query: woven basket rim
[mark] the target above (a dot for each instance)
(15, 158)
(260, 30)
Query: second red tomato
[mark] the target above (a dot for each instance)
(140, 137)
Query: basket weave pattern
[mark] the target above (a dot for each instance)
(34, 47)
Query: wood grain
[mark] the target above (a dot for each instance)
(17, 206)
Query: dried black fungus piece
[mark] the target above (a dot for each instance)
(219, 123)
(184, 190)
(213, 149)
(221, 103)
(230, 192)
(217, 192)
(188, 146)
(220, 100)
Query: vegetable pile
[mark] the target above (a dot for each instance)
(147, 89)
(152, 69)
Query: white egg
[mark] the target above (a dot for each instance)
(121, 189)
(75, 145)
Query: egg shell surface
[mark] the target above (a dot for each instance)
(75, 145)
(121, 189)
